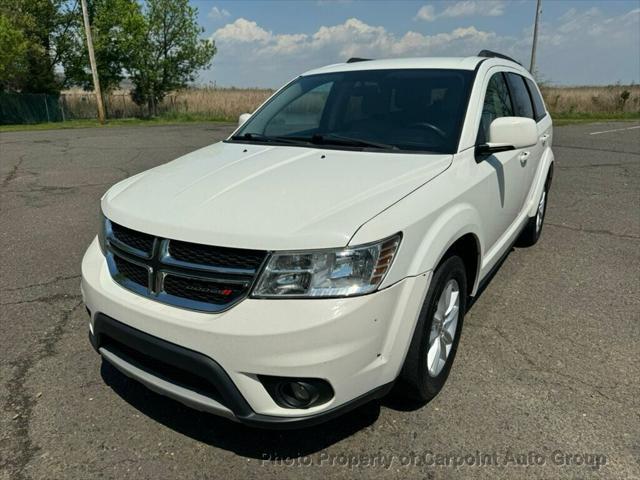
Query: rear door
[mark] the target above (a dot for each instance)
(503, 172)
(529, 157)
(542, 117)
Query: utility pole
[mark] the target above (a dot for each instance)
(535, 38)
(92, 61)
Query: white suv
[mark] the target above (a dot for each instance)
(330, 246)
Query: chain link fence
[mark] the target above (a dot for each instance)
(21, 108)
(30, 108)
(213, 103)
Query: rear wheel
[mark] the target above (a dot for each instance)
(437, 333)
(533, 229)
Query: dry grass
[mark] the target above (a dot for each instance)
(214, 103)
(229, 103)
(609, 99)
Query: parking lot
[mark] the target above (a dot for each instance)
(546, 381)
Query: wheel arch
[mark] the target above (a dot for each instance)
(467, 247)
(542, 181)
(457, 231)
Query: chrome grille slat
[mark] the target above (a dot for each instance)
(192, 285)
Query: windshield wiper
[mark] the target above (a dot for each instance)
(332, 138)
(259, 137)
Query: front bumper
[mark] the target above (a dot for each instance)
(356, 344)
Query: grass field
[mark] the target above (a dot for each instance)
(566, 104)
(608, 100)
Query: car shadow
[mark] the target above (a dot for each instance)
(490, 276)
(499, 168)
(250, 442)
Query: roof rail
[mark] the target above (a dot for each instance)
(358, 59)
(491, 54)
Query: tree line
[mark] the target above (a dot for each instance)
(155, 44)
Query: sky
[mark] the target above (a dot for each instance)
(265, 43)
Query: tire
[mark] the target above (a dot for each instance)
(418, 380)
(533, 229)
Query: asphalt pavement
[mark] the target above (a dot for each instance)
(546, 382)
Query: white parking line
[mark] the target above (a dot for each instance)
(615, 130)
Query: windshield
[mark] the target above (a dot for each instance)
(396, 110)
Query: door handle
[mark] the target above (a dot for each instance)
(524, 158)
(544, 138)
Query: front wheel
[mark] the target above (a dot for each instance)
(435, 339)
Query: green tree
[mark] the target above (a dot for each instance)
(13, 49)
(116, 26)
(169, 51)
(45, 27)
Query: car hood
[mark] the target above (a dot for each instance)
(267, 197)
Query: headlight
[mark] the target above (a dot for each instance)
(102, 226)
(340, 272)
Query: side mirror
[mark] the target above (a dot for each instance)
(509, 133)
(243, 118)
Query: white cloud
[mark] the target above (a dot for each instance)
(426, 13)
(250, 55)
(218, 13)
(466, 8)
(242, 31)
(487, 8)
(351, 38)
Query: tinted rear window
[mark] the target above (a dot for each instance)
(520, 96)
(538, 104)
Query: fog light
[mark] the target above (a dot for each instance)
(297, 392)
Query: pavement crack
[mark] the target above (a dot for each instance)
(43, 284)
(595, 231)
(13, 172)
(507, 340)
(596, 165)
(57, 188)
(555, 145)
(48, 299)
(19, 403)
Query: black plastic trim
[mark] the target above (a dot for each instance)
(492, 54)
(172, 354)
(206, 367)
(474, 77)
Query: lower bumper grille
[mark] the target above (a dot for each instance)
(160, 369)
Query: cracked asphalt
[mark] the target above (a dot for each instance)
(547, 371)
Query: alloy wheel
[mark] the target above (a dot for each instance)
(540, 214)
(443, 328)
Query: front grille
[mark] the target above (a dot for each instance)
(132, 272)
(187, 275)
(215, 256)
(131, 238)
(202, 290)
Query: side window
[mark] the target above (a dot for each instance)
(520, 95)
(497, 103)
(538, 104)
